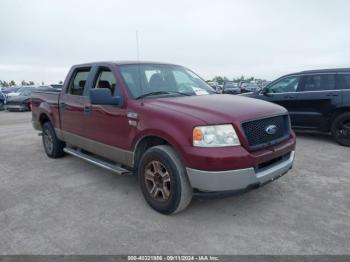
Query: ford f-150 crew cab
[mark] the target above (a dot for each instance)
(165, 124)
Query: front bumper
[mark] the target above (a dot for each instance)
(239, 179)
(18, 107)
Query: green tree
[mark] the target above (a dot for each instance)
(243, 78)
(219, 79)
(12, 83)
(31, 83)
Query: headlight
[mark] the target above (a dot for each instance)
(215, 136)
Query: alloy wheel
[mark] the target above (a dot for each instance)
(343, 130)
(158, 181)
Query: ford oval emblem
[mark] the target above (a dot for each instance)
(271, 129)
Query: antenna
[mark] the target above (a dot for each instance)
(138, 63)
(137, 46)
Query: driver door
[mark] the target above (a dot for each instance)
(284, 92)
(107, 126)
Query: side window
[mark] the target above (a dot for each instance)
(287, 84)
(345, 81)
(106, 79)
(77, 85)
(318, 82)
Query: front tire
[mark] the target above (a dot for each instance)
(52, 145)
(163, 180)
(341, 129)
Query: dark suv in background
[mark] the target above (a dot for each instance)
(317, 100)
(231, 88)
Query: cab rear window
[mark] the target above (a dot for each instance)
(78, 82)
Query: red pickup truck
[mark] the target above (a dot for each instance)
(165, 124)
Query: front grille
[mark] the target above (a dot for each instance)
(257, 135)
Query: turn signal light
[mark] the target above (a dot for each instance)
(197, 134)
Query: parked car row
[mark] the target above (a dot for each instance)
(231, 87)
(18, 98)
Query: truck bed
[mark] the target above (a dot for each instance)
(48, 99)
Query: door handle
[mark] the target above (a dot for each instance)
(87, 109)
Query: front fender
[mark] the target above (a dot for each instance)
(174, 137)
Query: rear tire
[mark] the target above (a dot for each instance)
(52, 145)
(341, 129)
(163, 180)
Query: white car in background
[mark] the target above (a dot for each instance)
(249, 87)
(13, 94)
(19, 91)
(215, 86)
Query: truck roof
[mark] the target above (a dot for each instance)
(124, 62)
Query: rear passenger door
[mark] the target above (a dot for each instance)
(72, 105)
(344, 85)
(317, 99)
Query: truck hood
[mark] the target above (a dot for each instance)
(220, 108)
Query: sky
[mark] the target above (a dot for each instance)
(41, 39)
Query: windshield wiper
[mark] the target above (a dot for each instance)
(162, 93)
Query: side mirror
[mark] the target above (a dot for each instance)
(103, 96)
(265, 92)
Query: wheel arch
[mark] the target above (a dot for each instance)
(150, 140)
(43, 118)
(45, 114)
(339, 111)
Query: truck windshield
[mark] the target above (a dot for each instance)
(149, 80)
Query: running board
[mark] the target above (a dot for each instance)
(97, 162)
